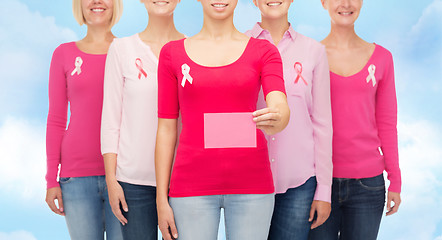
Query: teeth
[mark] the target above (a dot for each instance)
(97, 10)
(161, 3)
(274, 4)
(345, 13)
(219, 5)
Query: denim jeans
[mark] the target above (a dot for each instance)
(292, 211)
(357, 207)
(142, 219)
(87, 209)
(247, 216)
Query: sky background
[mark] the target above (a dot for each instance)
(30, 30)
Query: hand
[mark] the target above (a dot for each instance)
(267, 119)
(322, 210)
(396, 199)
(116, 196)
(166, 221)
(51, 195)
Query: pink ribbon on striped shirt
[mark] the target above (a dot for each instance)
(139, 65)
(298, 69)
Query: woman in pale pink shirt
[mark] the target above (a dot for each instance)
(129, 121)
(76, 80)
(300, 155)
(364, 111)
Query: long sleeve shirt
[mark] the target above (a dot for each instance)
(75, 80)
(304, 148)
(364, 109)
(129, 118)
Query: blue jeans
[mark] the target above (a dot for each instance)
(247, 216)
(142, 219)
(87, 209)
(357, 207)
(292, 211)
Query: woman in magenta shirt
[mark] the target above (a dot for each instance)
(364, 112)
(212, 79)
(76, 79)
(301, 154)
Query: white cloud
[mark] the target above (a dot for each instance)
(18, 235)
(420, 154)
(23, 165)
(28, 40)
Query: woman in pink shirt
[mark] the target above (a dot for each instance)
(129, 121)
(76, 79)
(364, 112)
(301, 154)
(213, 80)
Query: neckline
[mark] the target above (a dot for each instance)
(222, 66)
(363, 68)
(90, 54)
(146, 46)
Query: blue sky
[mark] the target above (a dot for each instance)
(30, 31)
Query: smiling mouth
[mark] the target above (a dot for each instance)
(161, 3)
(345, 13)
(97, 10)
(273, 4)
(220, 5)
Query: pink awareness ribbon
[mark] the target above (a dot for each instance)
(371, 76)
(298, 69)
(139, 65)
(78, 63)
(185, 70)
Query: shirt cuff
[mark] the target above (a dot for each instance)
(394, 187)
(323, 193)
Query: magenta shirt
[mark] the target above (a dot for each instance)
(303, 149)
(75, 78)
(231, 88)
(364, 111)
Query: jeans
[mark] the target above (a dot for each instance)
(247, 216)
(87, 209)
(142, 219)
(292, 211)
(357, 207)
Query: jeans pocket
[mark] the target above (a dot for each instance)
(374, 183)
(64, 180)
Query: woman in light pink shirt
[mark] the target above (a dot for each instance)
(300, 155)
(364, 112)
(76, 80)
(129, 121)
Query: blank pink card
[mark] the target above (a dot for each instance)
(229, 130)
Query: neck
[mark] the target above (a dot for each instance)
(276, 27)
(343, 36)
(98, 34)
(159, 29)
(218, 29)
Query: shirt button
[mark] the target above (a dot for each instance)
(273, 139)
(273, 160)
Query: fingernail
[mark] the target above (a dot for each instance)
(61, 210)
(255, 119)
(175, 235)
(126, 210)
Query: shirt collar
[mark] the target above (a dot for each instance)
(257, 31)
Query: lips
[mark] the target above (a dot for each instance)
(274, 4)
(219, 5)
(98, 10)
(161, 3)
(347, 13)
